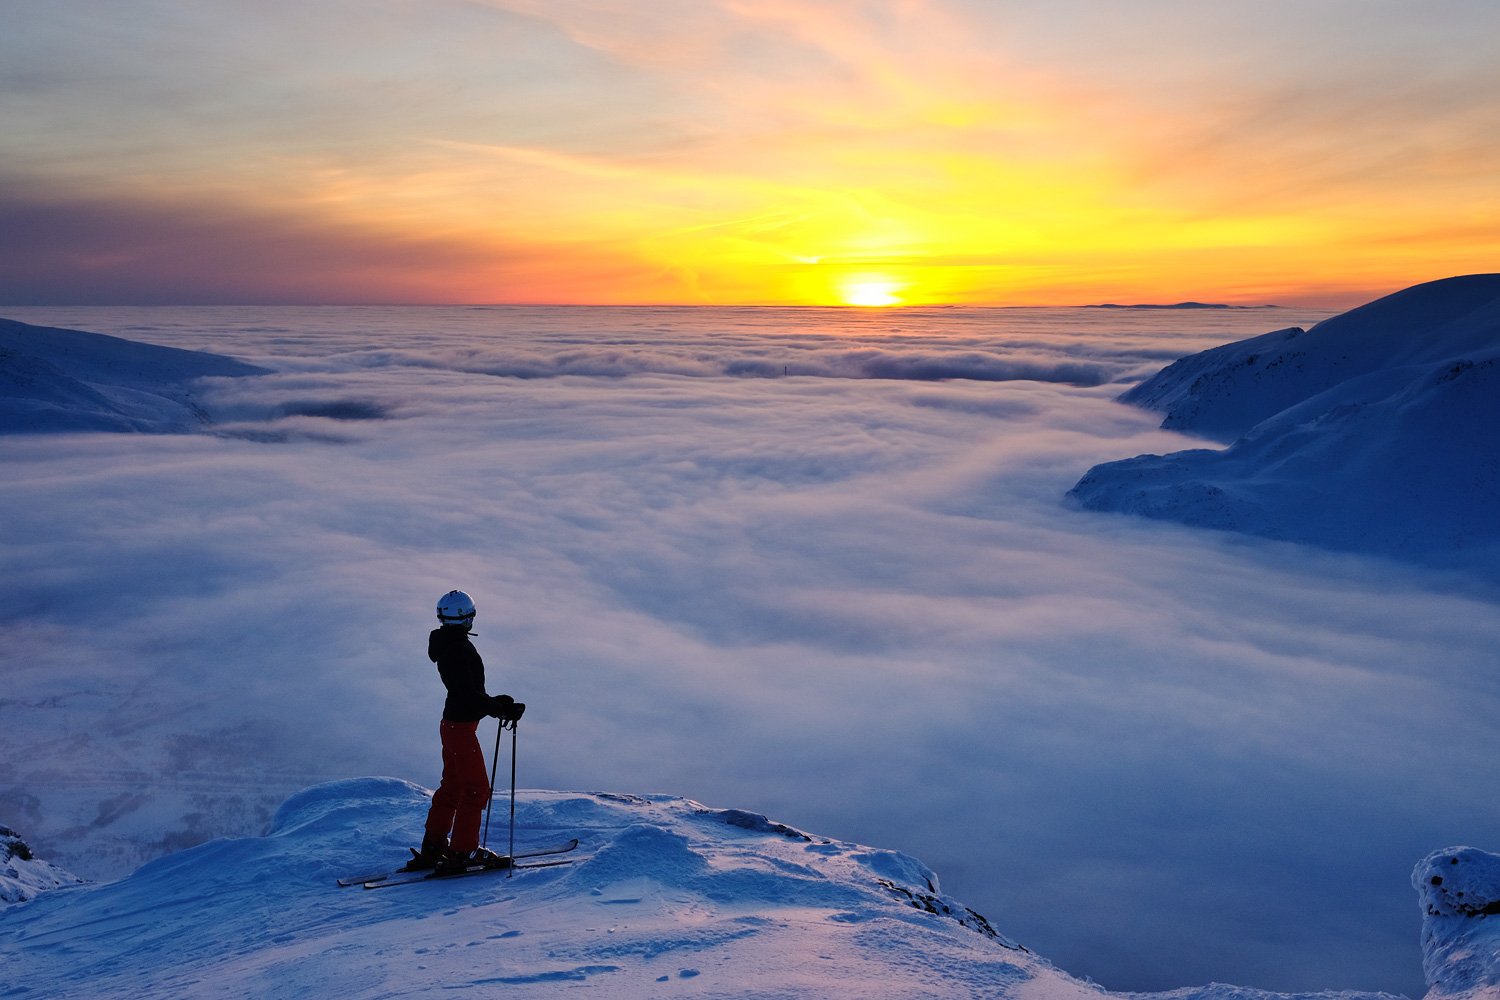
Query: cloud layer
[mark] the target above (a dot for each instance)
(1134, 746)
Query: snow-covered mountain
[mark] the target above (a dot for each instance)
(69, 380)
(664, 897)
(1378, 430)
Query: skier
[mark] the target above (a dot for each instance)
(459, 802)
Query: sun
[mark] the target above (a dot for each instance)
(874, 292)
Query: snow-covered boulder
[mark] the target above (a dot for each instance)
(23, 876)
(1377, 430)
(69, 380)
(1459, 889)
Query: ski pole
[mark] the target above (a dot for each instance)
(494, 762)
(512, 851)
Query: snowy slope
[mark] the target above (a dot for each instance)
(1223, 392)
(666, 898)
(69, 380)
(1376, 431)
(24, 876)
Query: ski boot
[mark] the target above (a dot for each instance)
(456, 862)
(428, 857)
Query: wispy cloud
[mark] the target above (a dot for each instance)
(1108, 156)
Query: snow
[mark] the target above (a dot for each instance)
(23, 875)
(1460, 889)
(1375, 431)
(666, 897)
(68, 380)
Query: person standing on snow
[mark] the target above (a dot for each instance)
(451, 837)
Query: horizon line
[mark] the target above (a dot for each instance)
(1185, 305)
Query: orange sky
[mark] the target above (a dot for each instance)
(746, 151)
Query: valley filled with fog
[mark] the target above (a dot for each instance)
(814, 563)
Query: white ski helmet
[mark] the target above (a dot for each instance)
(455, 608)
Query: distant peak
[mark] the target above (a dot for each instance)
(1171, 305)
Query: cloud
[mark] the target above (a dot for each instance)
(854, 604)
(59, 246)
(736, 152)
(762, 362)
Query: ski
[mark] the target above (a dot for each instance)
(385, 875)
(413, 877)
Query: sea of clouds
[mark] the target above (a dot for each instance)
(812, 563)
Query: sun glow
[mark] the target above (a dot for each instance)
(871, 292)
(906, 154)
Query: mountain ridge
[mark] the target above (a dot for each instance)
(58, 380)
(1375, 432)
(666, 894)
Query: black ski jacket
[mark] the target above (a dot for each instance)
(462, 671)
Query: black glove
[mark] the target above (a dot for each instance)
(505, 708)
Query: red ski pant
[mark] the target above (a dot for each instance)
(459, 802)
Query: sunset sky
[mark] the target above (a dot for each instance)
(745, 151)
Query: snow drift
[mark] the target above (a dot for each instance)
(1375, 431)
(665, 897)
(69, 380)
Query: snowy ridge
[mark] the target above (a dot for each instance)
(1376, 431)
(24, 876)
(1223, 392)
(667, 897)
(69, 380)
